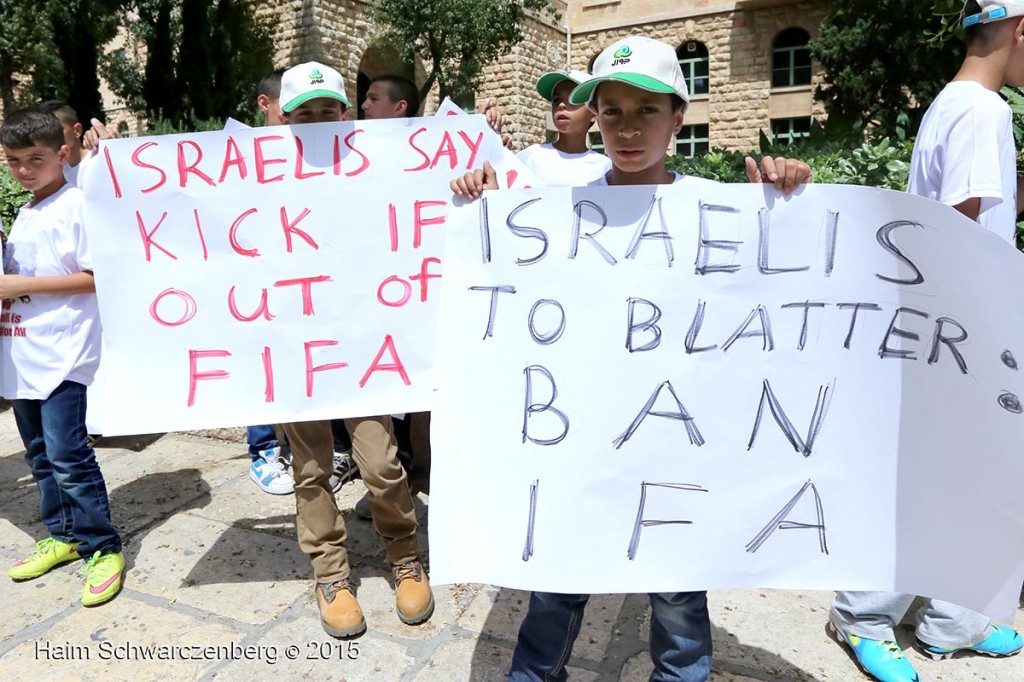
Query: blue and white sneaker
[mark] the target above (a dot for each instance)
(270, 472)
(883, 660)
(1001, 641)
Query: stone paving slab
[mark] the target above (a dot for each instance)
(213, 562)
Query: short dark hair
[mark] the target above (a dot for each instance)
(62, 110)
(31, 127)
(401, 88)
(980, 33)
(270, 84)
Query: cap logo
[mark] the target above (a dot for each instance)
(622, 55)
(315, 77)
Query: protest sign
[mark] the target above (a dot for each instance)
(706, 386)
(273, 274)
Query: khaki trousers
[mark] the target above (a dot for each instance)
(319, 523)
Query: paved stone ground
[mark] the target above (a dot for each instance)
(213, 562)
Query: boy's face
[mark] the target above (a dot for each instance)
(378, 103)
(569, 118)
(271, 108)
(318, 110)
(37, 169)
(636, 126)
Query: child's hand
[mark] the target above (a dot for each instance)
(495, 119)
(98, 131)
(785, 174)
(472, 184)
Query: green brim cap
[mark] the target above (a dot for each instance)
(549, 81)
(583, 92)
(306, 96)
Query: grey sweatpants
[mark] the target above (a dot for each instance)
(873, 615)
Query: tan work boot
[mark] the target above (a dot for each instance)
(413, 598)
(340, 614)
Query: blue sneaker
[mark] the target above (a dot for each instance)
(881, 659)
(1001, 641)
(270, 472)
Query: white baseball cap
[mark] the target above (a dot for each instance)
(310, 80)
(994, 10)
(548, 82)
(639, 61)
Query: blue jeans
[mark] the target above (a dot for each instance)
(680, 637)
(72, 493)
(260, 438)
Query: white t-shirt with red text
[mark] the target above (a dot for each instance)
(47, 339)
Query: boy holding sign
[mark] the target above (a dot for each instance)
(51, 343)
(639, 96)
(964, 157)
(314, 93)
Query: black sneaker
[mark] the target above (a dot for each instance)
(345, 470)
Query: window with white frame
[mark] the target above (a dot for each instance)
(695, 63)
(791, 59)
(788, 130)
(692, 141)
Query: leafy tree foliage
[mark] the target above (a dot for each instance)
(190, 60)
(883, 58)
(455, 38)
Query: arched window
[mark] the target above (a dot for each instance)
(694, 61)
(791, 59)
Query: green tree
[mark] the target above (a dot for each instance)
(885, 57)
(190, 60)
(456, 38)
(26, 50)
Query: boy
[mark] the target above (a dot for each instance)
(269, 458)
(52, 355)
(964, 157)
(639, 103)
(313, 93)
(78, 157)
(268, 98)
(391, 97)
(567, 161)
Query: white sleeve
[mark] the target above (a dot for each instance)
(970, 163)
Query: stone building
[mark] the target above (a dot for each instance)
(746, 61)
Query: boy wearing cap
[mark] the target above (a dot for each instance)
(314, 93)
(964, 157)
(567, 161)
(639, 96)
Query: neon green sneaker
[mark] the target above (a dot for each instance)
(104, 575)
(49, 554)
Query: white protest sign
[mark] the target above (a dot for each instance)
(273, 274)
(510, 172)
(708, 386)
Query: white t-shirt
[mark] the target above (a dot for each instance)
(48, 339)
(558, 169)
(73, 174)
(680, 179)
(965, 149)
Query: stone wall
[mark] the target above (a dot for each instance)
(738, 36)
(511, 82)
(739, 44)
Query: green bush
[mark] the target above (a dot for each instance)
(12, 198)
(845, 161)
